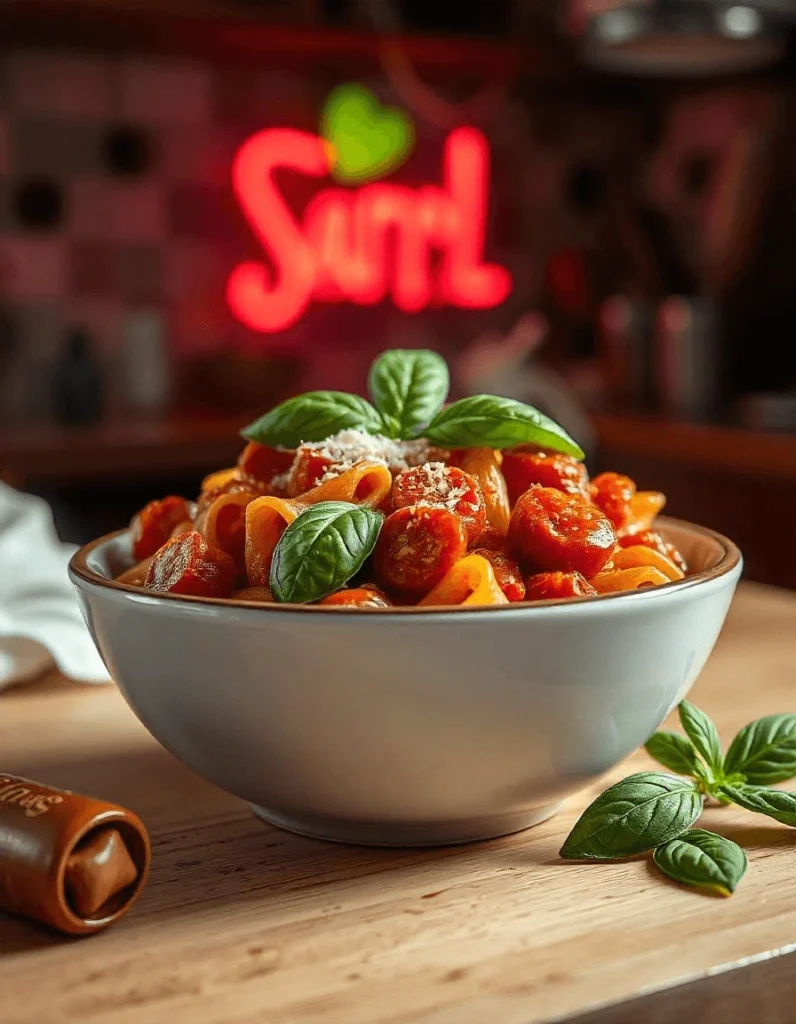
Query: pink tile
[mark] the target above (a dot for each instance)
(56, 146)
(193, 267)
(116, 210)
(49, 83)
(32, 268)
(197, 155)
(166, 93)
(139, 273)
(139, 212)
(91, 207)
(92, 268)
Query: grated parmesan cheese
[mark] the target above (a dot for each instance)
(279, 482)
(348, 447)
(438, 491)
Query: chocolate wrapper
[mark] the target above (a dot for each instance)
(72, 862)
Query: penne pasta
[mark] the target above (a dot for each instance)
(471, 582)
(484, 465)
(266, 520)
(136, 575)
(437, 522)
(637, 555)
(644, 507)
(221, 478)
(613, 581)
(222, 523)
(367, 483)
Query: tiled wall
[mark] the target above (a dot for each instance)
(115, 199)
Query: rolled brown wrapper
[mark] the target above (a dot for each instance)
(69, 861)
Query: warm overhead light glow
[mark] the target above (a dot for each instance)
(741, 22)
(363, 244)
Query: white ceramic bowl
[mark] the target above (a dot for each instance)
(406, 727)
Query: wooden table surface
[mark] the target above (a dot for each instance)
(244, 924)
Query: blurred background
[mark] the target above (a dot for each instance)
(642, 196)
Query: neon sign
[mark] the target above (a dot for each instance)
(363, 244)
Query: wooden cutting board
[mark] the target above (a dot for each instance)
(244, 924)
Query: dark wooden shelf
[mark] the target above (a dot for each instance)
(739, 482)
(746, 453)
(122, 449)
(185, 441)
(238, 32)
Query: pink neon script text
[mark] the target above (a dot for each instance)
(339, 250)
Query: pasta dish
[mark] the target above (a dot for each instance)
(404, 501)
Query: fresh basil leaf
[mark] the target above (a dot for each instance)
(313, 417)
(488, 421)
(774, 803)
(765, 751)
(635, 815)
(322, 549)
(408, 387)
(673, 751)
(704, 775)
(703, 859)
(704, 736)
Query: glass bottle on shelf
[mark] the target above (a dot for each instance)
(77, 384)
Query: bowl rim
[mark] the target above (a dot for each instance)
(729, 561)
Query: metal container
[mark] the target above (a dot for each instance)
(626, 329)
(687, 374)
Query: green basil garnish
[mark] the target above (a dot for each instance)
(704, 736)
(322, 549)
(703, 859)
(774, 803)
(673, 751)
(635, 815)
(408, 387)
(764, 752)
(487, 421)
(313, 417)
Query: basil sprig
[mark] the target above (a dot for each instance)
(704, 860)
(765, 751)
(774, 803)
(322, 549)
(673, 751)
(408, 387)
(633, 816)
(703, 735)
(313, 417)
(488, 421)
(655, 811)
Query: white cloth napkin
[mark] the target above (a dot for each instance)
(40, 621)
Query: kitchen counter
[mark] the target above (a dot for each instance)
(241, 923)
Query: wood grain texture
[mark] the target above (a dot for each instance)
(242, 924)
